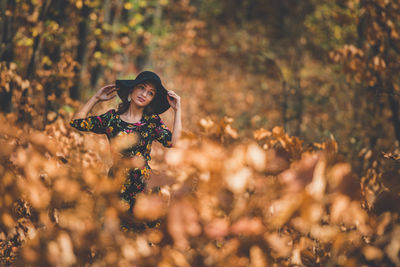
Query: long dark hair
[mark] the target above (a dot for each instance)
(124, 105)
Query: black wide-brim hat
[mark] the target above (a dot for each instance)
(159, 104)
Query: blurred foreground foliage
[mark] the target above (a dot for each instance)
(265, 201)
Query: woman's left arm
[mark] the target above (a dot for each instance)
(175, 103)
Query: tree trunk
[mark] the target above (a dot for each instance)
(83, 29)
(97, 71)
(6, 48)
(54, 52)
(156, 32)
(299, 107)
(30, 73)
(284, 104)
(36, 45)
(394, 107)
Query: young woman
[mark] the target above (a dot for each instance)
(143, 99)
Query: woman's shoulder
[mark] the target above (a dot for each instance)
(106, 116)
(156, 120)
(110, 113)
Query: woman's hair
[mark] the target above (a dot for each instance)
(124, 105)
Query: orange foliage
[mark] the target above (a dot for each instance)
(235, 204)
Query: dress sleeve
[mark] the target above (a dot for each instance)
(96, 124)
(161, 132)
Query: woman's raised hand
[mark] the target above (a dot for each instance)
(106, 93)
(174, 100)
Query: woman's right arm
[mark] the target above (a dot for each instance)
(105, 93)
(82, 112)
(96, 124)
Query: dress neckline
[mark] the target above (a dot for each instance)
(142, 120)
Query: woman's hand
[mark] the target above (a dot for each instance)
(174, 100)
(106, 93)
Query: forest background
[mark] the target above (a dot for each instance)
(295, 77)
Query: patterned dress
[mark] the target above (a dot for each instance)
(148, 129)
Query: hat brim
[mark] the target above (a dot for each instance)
(160, 102)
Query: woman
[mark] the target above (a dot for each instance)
(143, 99)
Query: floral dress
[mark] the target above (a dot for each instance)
(148, 129)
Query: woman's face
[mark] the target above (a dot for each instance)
(143, 94)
